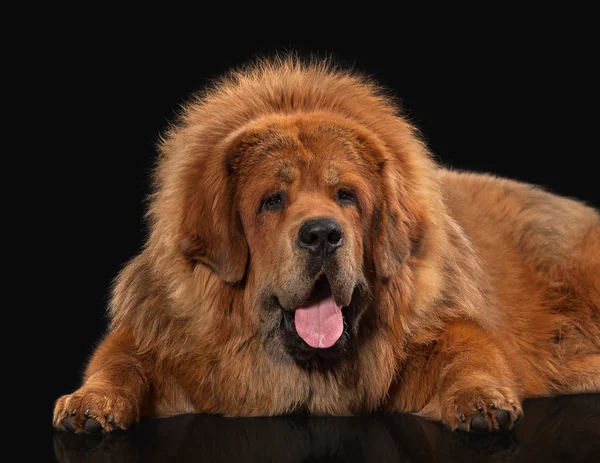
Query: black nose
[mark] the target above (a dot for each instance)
(320, 237)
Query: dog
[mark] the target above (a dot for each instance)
(307, 255)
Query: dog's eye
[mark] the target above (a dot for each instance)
(272, 202)
(346, 197)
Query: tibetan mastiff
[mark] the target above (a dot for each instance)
(307, 255)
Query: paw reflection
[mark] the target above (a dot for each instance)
(551, 428)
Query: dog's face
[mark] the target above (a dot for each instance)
(309, 220)
(306, 192)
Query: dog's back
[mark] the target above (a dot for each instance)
(542, 253)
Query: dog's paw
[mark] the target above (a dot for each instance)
(94, 410)
(481, 409)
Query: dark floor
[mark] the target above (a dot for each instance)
(555, 429)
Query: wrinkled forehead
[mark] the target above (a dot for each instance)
(309, 152)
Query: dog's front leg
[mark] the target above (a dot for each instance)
(113, 390)
(477, 389)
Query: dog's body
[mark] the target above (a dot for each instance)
(307, 255)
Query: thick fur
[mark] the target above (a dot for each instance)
(474, 292)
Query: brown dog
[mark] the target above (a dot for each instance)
(306, 254)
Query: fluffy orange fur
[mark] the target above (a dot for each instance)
(475, 291)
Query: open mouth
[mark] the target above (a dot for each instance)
(318, 329)
(319, 322)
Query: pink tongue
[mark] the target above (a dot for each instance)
(320, 324)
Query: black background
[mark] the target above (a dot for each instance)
(516, 103)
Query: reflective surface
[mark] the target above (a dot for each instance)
(555, 429)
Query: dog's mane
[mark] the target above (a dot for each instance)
(281, 86)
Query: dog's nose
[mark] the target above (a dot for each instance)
(320, 237)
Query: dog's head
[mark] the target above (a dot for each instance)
(306, 210)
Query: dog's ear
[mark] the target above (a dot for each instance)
(398, 231)
(212, 231)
